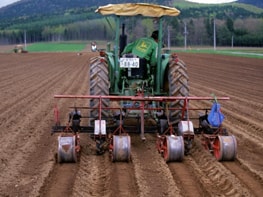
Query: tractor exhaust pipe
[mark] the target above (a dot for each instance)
(123, 39)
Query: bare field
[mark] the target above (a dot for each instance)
(27, 85)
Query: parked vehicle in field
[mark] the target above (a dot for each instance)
(19, 49)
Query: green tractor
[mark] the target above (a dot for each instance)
(156, 97)
(123, 77)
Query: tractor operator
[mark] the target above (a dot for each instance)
(75, 116)
(144, 48)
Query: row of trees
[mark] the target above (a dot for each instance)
(227, 33)
(246, 32)
(80, 30)
(199, 32)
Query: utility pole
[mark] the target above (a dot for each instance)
(214, 33)
(25, 38)
(168, 38)
(185, 36)
(232, 41)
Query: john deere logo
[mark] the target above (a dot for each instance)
(143, 46)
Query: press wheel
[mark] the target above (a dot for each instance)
(66, 149)
(225, 148)
(121, 148)
(173, 148)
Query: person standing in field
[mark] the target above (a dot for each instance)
(74, 118)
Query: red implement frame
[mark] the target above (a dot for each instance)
(142, 100)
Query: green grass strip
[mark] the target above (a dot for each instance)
(240, 53)
(56, 47)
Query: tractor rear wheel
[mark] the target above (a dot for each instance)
(99, 85)
(178, 87)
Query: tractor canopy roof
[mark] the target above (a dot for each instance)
(133, 9)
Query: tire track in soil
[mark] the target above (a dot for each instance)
(25, 132)
(63, 176)
(41, 139)
(122, 180)
(152, 173)
(217, 179)
(253, 182)
(61, 180)
(93, 173)
(186, 180)
(98, 176)
(30, 97)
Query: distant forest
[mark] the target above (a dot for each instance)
(235, 23)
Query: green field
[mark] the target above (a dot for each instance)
(56, 47)
(80, 46)
(241, 52)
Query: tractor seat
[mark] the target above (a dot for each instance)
(137, 73)
(204, 124)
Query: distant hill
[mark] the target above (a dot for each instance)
(46, 7)
(257, 3)
(27, 8)
(62, 20)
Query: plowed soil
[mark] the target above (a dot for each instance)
(28, 167)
